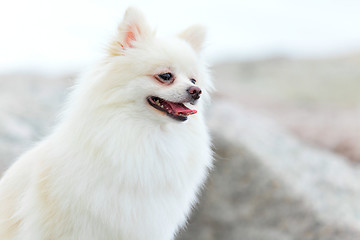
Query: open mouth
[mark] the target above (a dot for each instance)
(177, 111)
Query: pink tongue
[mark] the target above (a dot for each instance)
(180, 108)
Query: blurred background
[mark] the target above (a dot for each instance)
(285, 117)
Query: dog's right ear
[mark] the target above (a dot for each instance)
(132, 29)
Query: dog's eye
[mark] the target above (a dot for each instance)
(165, 76)
(193, 81)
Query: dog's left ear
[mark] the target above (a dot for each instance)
(195, 36)
(132, 29)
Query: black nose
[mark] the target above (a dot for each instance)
(194, 92)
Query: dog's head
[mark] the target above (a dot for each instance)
(158, 78)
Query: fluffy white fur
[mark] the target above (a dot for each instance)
(114, 167)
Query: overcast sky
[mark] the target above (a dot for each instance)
(66, 35)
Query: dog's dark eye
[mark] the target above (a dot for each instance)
(165, 76)
(193, 81)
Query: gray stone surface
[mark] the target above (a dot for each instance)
(244, 201)
(268, 185)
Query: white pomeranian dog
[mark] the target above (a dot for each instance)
(130, 153)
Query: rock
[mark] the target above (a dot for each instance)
(268, 185)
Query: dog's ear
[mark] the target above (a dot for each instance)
(195, 36)
(132, 29)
